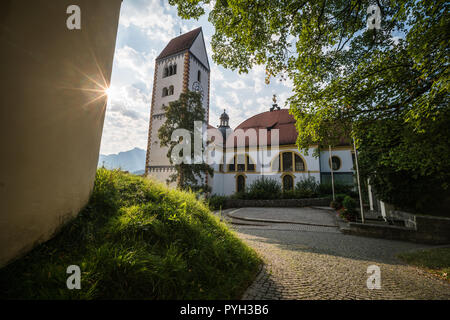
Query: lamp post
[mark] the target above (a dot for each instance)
(332, 175)
(359, 184)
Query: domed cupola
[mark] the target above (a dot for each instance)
(224, 126)
(224, 119)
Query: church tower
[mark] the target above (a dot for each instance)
(182, 65)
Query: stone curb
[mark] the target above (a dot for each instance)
(229, 214)
(341, 224)
(258, 275)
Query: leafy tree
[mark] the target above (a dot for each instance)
(181, 114)
(348, 79)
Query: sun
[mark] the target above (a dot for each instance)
(109, 91)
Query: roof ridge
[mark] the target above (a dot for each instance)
(180, 43)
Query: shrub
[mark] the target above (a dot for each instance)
(289, 194)
(340, 197)
(324, 189)
(349, 212)
(337, 203)
(264, 188)
(308, 185)
(217, 202)
(349, 204)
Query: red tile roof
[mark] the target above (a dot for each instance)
(277, 119)
(180, 43)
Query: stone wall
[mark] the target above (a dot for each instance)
(429, 230)
(238, 203)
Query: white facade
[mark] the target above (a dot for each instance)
(225, 181)
(189, 70)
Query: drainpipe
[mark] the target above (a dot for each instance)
(332, 176)
(359, 184)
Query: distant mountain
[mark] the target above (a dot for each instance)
(132, 161)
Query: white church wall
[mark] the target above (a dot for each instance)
(194, 67)
(199, 50)
(344, 155)
(164, 82)
(225, 183)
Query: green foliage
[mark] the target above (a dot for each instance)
(217, 202)
(406, 168)
(307, 185)
(349, 209)
(388, 88)
(182, 114)
(338, 202)
(349, 204)
(326, 189)
(136, 239)
(340, 197)
(264, 188)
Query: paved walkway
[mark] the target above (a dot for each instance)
(312, 262)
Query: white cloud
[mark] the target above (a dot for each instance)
(155, 19)
(141, 64)
(236, 85)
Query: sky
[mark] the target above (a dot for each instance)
(145, 28)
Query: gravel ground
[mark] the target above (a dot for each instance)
(311, 262)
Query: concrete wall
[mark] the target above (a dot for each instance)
(52, 109)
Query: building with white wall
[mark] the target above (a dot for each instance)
(263, 145)
(276, 157)
(181, 66)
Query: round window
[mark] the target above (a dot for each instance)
(336, 162)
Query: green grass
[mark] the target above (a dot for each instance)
(435, 261)
(136, 239)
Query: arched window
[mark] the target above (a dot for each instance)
(164, 92)
(170, 90)
(336, 163)
(250, 164)
(239, 164)
(288, 183)
(288, 162)
(166, 72)
(174, 69)
(240, 183)
(199, 75)
(232, 165)
(299, 164)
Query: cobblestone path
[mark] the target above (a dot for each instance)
(312, 262)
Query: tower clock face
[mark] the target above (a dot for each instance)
(197, 87)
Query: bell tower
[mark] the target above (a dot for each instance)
(181, 66)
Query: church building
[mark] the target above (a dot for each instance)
(263, 145)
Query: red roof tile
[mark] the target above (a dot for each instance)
(180, 43)
(277, 119)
